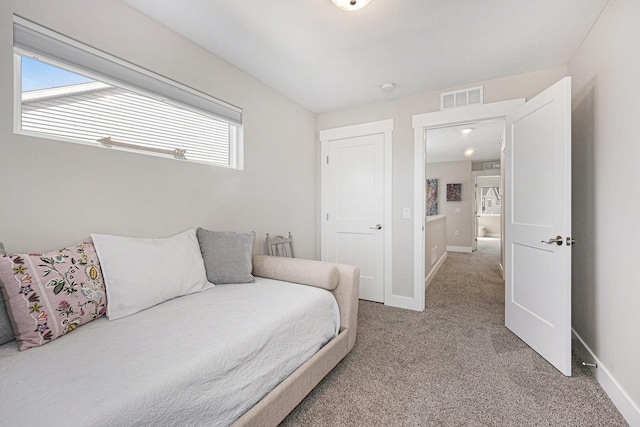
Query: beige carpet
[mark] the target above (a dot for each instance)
(455, 364)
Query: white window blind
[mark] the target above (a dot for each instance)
(122, 103)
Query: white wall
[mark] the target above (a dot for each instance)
(488, 181)
(455, 173)
(491, 223)
(55, 193)
(606, 155)
(435, 243)
(402, 110)
(479, 167)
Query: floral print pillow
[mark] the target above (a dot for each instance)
(49, 295)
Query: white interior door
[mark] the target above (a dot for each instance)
(538, 224)
(354, 202)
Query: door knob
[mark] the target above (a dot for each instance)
(558, 241)
(377, 227)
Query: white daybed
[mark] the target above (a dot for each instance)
(241, 354)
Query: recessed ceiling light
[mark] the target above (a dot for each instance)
(351, 4)
(467, 130)
(386, 87)
(469, 152)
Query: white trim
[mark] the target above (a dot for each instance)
(465, 249)
(372, 128)
(434, 271)
(363, 129)
(17, 94)
(419, 213)
(388, 217)
(421, 123)
(495, 110)
(236, 151)
(483, 173)
(627, 407)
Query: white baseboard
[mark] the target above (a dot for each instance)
(434, 271)
(466, 249)
(627, 407)
(496, 235)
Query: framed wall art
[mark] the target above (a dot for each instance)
(432, 197)
(454, 192)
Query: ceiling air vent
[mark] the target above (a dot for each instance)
(461, 98)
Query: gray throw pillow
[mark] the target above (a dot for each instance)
(227, 255)
(6, 331)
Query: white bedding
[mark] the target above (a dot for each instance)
(202, 359)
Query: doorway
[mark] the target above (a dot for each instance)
(489, 212)
(458, 158)
(356, 203)
(537, 266)
(422, 124)
(488, 205)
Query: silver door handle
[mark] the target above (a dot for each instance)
(558, 241)
(377, 227)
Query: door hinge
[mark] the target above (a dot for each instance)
(327, 159)
(327, 217)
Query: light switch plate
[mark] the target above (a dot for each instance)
(406, 213)
(457, 210)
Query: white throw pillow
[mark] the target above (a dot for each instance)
(140, 273)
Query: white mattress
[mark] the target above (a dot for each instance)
(202, 359)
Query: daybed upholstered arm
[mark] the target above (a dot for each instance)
(342, 280)
(303, 271)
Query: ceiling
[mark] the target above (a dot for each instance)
(326, 59)
(450, 143)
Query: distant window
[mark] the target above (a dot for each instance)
(72, 92)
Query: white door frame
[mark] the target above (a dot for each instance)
(384, 127)
(421, 123)
(474, 213)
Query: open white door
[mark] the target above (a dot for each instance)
(538, 224)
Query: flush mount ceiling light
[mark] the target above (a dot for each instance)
(467, 130)
(386, 87)
(351, 4)
(469, 152)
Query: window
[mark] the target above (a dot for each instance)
(75, 93)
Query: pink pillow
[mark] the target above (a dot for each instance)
(51, 294)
